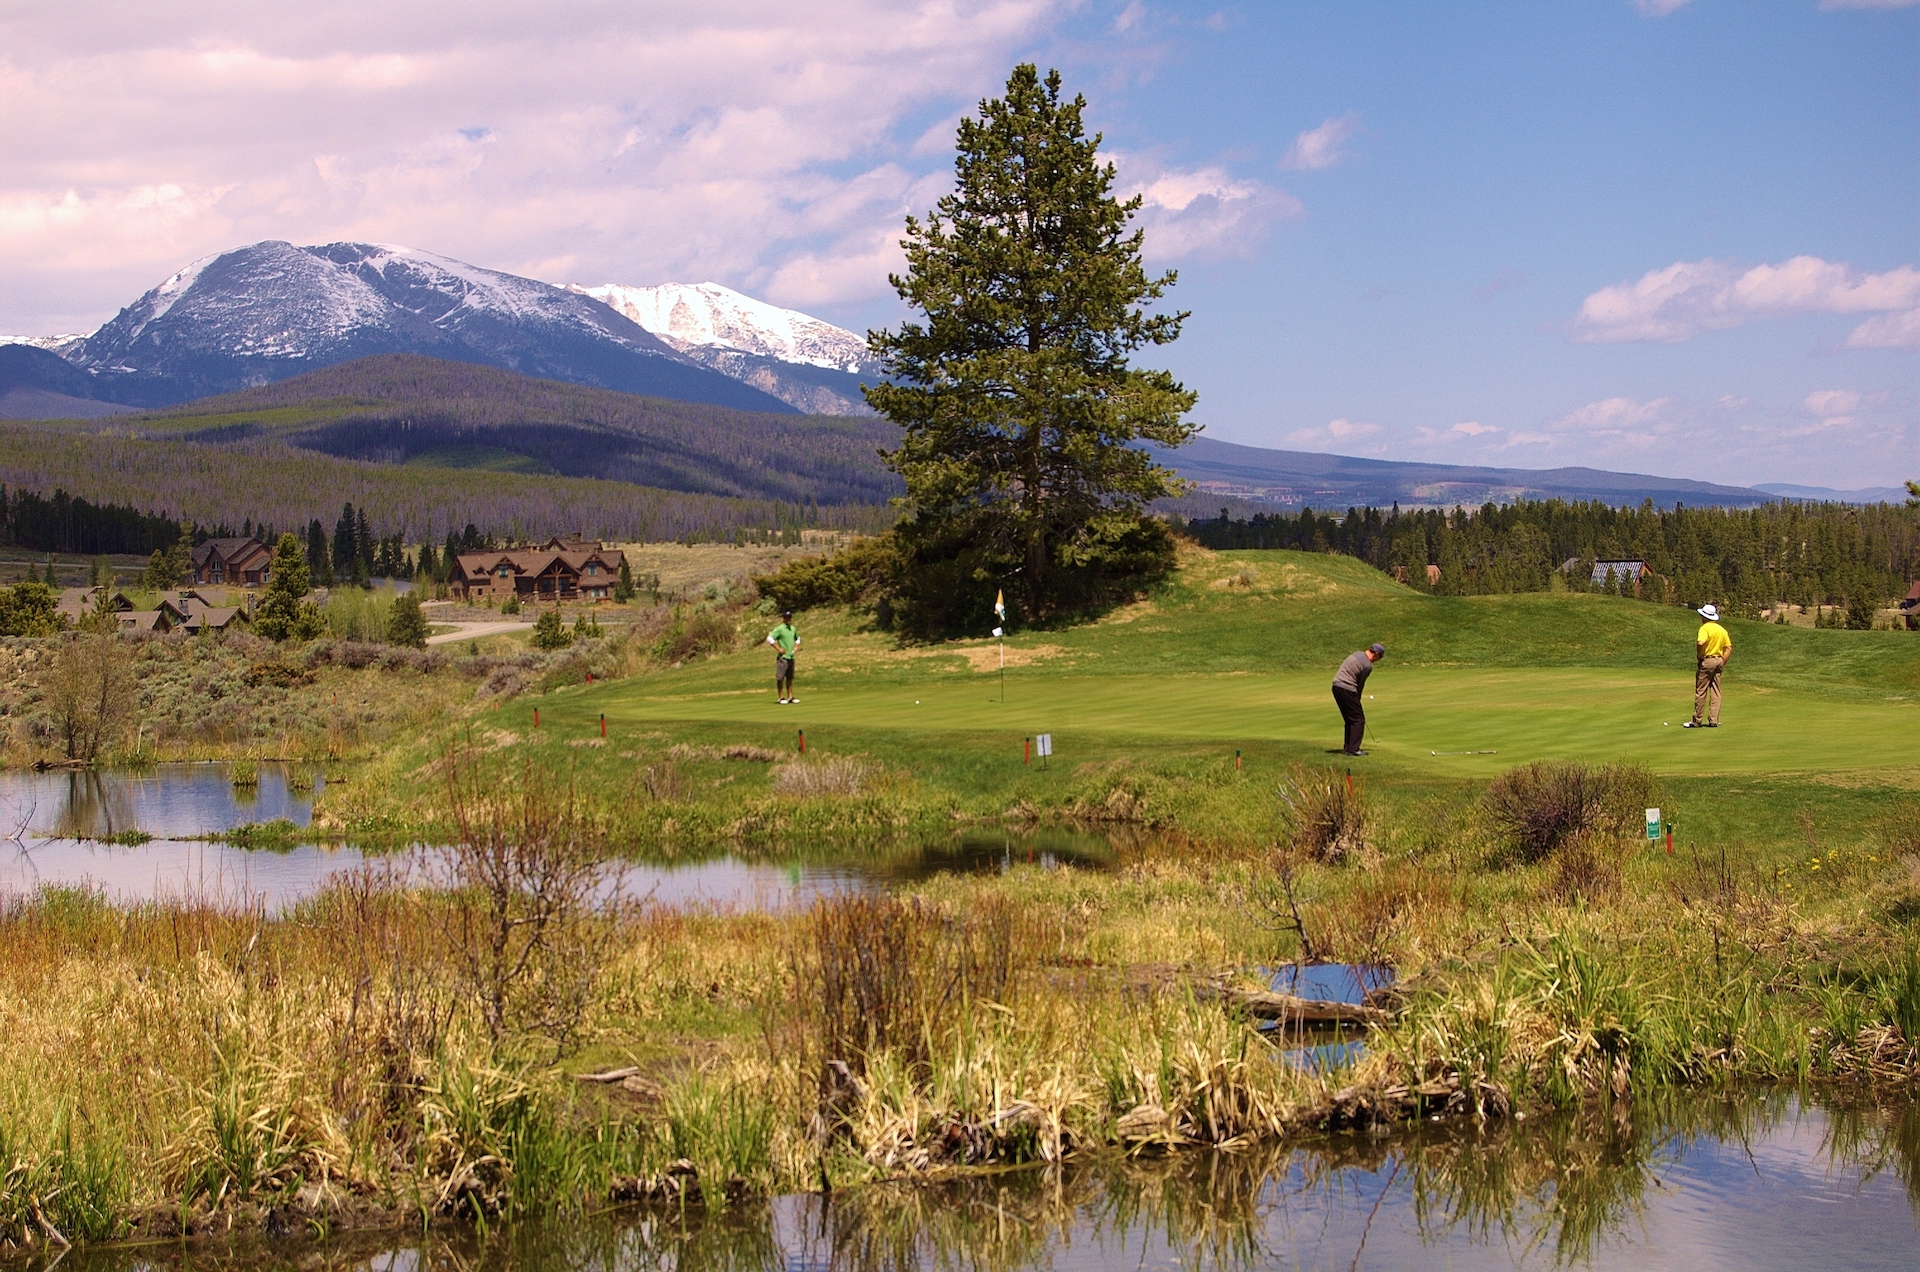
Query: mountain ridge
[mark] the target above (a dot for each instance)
(805, 361)
(1294, 479)
(268, 311)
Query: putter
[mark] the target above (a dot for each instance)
(1463, 753)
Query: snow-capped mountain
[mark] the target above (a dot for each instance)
(798, 358)
(62, 345)
(272, 310)
(707, 315)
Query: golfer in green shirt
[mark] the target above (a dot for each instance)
(786, 642)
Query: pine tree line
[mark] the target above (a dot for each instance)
(1744, 560)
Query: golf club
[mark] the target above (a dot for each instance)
(1463, 752)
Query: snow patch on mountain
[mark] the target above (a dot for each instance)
(707, 316)
(61, 344)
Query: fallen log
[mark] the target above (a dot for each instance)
(1289, 1009)
(609, 1075)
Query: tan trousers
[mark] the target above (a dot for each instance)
(1706, 689)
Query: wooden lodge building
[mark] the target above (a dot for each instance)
(570, 569)
(233, 563)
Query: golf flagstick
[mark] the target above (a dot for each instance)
(1000, 634)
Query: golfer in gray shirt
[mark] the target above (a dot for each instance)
(1347, 684)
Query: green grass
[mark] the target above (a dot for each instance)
(1205, 671)
(1820, 728)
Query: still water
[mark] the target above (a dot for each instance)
(51, 825)
(1760, 1182)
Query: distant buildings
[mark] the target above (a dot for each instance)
(569, 569)
(233, 563)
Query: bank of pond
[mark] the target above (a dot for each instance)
(1749, 1178)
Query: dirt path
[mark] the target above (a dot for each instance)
(474, 631)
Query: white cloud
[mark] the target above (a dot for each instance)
(1320, 147)
(1473, 428)
(1659, 8)
(1831, 402)
(1619, 420)
(680, 139)
(1888, 331)
(1690, 297)
(1202, 212)
(1868, 4)
(1342, 433)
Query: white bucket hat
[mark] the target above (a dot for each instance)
(1709, 613)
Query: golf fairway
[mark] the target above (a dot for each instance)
(1548, 713)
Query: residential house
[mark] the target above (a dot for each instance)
(77, 602)
(1910, 607)
(190, 612)
(1634, 570)
(142, 622)
(561, 569)
(233, 562)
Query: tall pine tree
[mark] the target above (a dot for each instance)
(1021, 414)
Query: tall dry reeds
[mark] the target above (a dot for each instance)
(1325, 814)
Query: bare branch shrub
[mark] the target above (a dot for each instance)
(1538, 807)
(1325, 813)
(1588, 866)
(537, 900)
(91, 693)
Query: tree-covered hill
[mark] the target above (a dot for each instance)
(406, 409)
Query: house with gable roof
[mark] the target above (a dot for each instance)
(233, 562)
(561, 569)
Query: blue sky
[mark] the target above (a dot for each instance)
(1669, 237)
(1504, 162)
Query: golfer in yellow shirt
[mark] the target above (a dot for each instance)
(1710, 651)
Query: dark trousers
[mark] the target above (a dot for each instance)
(1355, 716)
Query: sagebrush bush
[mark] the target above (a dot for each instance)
(832, 775)
(693, 634)
(1540, 806)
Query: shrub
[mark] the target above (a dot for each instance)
(537, 899)
(406, 622)
(691, 635)
(860, 571)
(1325, 813)
(1538, 807)
(550, 633)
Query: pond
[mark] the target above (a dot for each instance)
(1757, 1182)
(52, 825)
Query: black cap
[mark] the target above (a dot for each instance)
(786, 614)
(1377, 649)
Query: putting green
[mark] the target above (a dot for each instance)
(1521, 714)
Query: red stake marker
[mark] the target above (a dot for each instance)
(1027, 757)
(803, 741)
(603, 724)
(536, 717)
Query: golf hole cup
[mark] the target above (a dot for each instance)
(1653, 824)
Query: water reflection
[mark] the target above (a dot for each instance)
(1756, 1182)
(55, 828)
